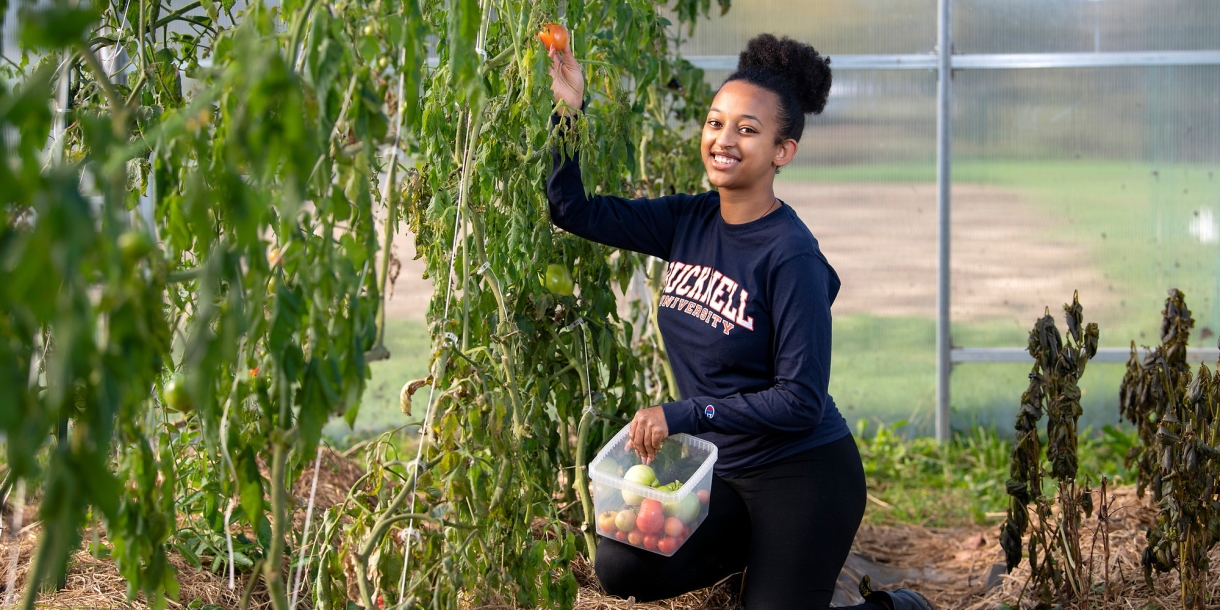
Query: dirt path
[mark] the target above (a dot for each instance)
(881, 239)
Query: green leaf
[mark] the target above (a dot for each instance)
(250, 485)
(58, 26)
(464, 19)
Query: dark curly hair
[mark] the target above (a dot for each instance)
(794, 71)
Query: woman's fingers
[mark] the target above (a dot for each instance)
(567, 79)
(648, 429)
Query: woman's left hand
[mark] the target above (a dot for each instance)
(648, 429)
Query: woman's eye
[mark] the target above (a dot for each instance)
(747, 130)
(713, 123)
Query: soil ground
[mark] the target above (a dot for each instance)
(956, 568)
(881, 239)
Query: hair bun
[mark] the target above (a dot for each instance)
(807, 72)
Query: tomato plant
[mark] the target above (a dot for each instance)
(153, 377)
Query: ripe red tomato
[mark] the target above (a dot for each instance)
(650, 542)
(621, 536)
(685, 532)
(673, 526)
(652, 516)
(668, 545)
(554, 37)
(703, 495)
(635, 537)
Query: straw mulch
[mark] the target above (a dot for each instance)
(1129, 518)
(95, 582)
(957, 568)
(963, 568)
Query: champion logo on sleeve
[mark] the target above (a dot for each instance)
(710, 411)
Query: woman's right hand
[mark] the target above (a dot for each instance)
(567, 80)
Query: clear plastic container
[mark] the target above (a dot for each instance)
(658, 520)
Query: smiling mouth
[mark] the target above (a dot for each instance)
(724, 160)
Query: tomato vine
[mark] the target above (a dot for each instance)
(191, 286)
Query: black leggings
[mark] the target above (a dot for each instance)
(792, 523)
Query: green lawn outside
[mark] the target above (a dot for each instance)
(410, 350)
(1132, 221)
(1134, 218)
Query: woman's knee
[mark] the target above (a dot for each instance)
(621, 571)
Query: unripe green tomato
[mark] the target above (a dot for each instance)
(559, 280)
(135, 245)
(176, 396)
(368, 30)
(383, 62)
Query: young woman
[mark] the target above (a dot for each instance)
(745, 313)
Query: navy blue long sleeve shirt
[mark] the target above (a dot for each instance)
(744, 311)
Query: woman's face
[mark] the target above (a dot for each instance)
(739, 137)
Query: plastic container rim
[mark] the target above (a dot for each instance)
(651, 492)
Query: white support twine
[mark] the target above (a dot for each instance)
(428, 411)
(452, 338)
(584, 345)
(313, 488)
(15, 553)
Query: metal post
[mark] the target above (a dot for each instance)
(943, 133)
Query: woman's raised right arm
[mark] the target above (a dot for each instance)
(642, 225)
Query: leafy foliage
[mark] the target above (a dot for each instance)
(177, 326)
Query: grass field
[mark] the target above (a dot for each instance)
(410, 349)
(1135, 221)
(1145, 225)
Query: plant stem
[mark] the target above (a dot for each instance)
(387, 239)
(582, 484)
(34, 577)
(298, 32)
(166, 20)
(655, 283)
(377, 532)
(273, 567)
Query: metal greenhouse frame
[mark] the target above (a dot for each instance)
(945, 62)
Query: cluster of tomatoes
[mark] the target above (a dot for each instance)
(648, 526)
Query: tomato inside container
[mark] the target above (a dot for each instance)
(656, 506)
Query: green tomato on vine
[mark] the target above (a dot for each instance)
(559, 279)
(135, 245)
(175, 395)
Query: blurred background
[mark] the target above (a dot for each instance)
(1104, 180)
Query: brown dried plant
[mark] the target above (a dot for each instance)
(1179, 457)
(1057, 567)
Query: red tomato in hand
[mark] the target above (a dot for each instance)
(668, 545)
(703, 495)
(652, 516)
(650, 542)
(554, 37)
(635, 537)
